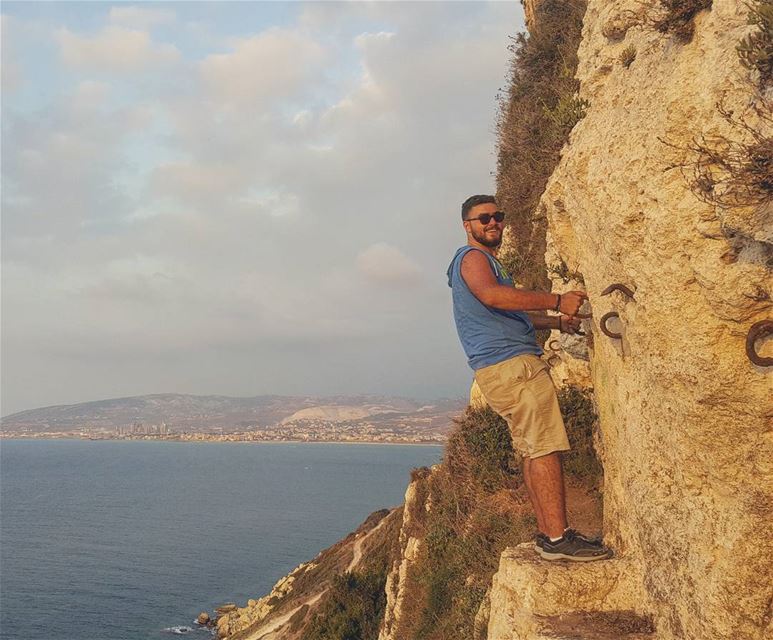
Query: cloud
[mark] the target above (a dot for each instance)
(140, 17)
(385, 264)
(275, 64)
(197, 183)
(115, 49)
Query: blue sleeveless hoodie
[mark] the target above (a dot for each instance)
(488, 335)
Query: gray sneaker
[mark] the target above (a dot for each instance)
(573, 547)
(539, 539)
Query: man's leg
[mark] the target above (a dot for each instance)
(544, 480)
(529, 488)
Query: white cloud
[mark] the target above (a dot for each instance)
(197, 183)
(140, 17)
(90, 95)
(272, 65)
(115, 49)
(384, 264)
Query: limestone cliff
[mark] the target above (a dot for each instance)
(396, 579)
(686, 436)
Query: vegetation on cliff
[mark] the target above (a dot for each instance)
(735, 168)
(478, 506)
(353, 609)
(353, 606)
(676, 17)
(536, 114)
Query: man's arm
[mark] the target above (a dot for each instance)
(477, 273)
(564, 324)
(542, 320)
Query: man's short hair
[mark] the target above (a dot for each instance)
(474, 201)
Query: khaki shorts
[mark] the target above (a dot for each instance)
(521, 390)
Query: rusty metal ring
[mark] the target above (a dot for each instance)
(552, 348)
(757, 331)
(603, 325)
(619, 287)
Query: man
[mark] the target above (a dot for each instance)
(498, 335)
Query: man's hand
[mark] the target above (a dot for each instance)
(571, 301)
(569, 324)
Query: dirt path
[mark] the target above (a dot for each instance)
(358, 545)
(266, 632)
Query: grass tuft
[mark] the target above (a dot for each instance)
(627, 56)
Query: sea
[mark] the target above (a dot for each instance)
(131, 540)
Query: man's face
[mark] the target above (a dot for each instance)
(489, 235)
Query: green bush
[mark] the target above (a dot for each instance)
(353, 610)
(756, 49)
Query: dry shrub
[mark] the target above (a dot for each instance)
(567, 275)
(535, 118)
(731, 172)
(478, 507)
(676, 17)
(581, 463)
(627, 56)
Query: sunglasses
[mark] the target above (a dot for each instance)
(485, 218)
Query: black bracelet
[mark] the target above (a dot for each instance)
(558, 302)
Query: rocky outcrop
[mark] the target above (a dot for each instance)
(396, 581)
(686, 438)
(530, 598)
(233, 619)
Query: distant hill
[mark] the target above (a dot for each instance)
(210, 414)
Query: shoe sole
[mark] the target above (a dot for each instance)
(562, 556)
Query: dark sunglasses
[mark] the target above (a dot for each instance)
(485, 218)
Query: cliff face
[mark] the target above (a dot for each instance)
(686, 437)
(396, 581)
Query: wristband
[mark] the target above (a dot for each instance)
(558, 302)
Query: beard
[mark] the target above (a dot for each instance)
(487, 241)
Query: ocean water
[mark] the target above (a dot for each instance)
(131, 540)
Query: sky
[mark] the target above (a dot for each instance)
(240, 198)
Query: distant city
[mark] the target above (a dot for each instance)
(178, 417)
